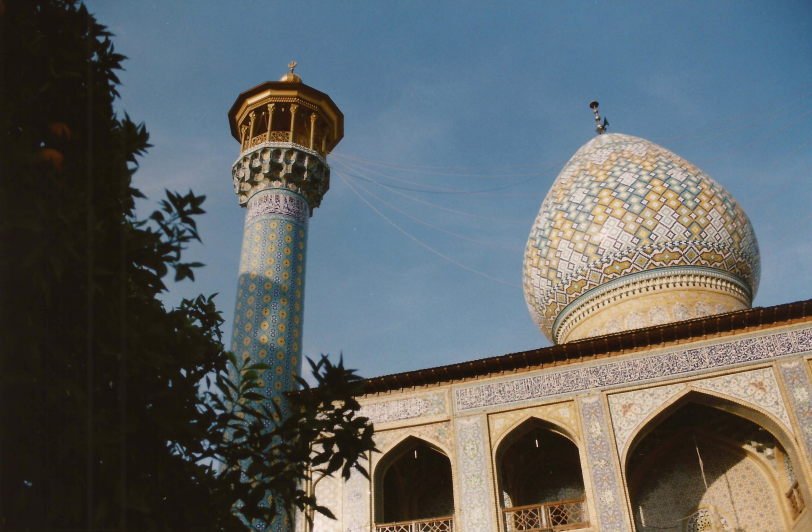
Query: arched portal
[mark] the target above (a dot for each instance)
(413, 487)
(541, 484)
(698, 466)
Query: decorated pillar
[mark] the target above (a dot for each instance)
(280, 183)
(607, 487)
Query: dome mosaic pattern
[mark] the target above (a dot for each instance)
(623, 205)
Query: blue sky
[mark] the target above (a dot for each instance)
(467, 111)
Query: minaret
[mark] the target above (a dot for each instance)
(285, 130)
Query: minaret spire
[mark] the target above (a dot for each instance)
(285, 130)
(600, 127)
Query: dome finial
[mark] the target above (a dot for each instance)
(600, 128)
(290, 75)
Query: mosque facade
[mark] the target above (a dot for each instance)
(665, 403)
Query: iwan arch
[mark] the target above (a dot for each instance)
(666, 403)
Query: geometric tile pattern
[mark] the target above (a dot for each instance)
(329, 494)
(613, 373)
(739, 492)
(270, 294)
(356, 504)
(623, 205)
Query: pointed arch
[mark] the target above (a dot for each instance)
(747, 410)
(412, 481)
(702, 455)
(539, 476)
(552, 425)
(388, 446)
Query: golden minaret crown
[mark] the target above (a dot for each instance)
(285, 129)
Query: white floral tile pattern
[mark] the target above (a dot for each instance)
(606, 486)
(630, 409)
(473, 464)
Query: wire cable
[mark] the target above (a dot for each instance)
(424, 201)
(423, 244)
(430, 225)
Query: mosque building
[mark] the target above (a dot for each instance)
(665, 403)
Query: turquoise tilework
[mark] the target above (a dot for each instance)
(270, 293)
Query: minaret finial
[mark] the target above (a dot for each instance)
(291, 76)
(600, 127)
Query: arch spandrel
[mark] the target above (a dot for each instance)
(755, 390)
(748, 412)
(434, 434)
(560, 415)
(400, 446)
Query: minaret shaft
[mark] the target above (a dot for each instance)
(270, 294)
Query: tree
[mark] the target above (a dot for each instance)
(104, 421)
(318, 435)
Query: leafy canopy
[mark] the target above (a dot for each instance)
(105, 422)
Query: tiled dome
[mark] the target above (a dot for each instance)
(625, 212)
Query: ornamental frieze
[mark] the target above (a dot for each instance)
(400, 409)
(632, 370)
(285, 204)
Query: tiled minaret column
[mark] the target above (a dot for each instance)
(285, 129)
(270, 294)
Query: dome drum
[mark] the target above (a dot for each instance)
(650, 298)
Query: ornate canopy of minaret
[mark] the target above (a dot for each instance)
(285, 129)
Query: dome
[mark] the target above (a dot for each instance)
(291, 77)
(631, 235)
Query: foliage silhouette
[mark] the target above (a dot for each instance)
(105, 422)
